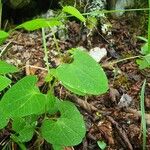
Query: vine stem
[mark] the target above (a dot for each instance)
(56, 43)
(45, 50)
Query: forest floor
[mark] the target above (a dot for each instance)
(113, 117)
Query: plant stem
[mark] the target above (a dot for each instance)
(114, 11)
(124, 59)
(56, 43)
(45, 50)
(149, 28)
(120, 60)
(143, 120)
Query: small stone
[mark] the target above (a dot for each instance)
(125, 101)
(98, 53)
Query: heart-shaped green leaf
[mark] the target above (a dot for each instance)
(68, 130)
(4, 82)
(83, 76)
(24, 99)
(73, 11)
(6, 68)
(39, 23)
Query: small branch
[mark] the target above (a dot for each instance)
(45, 50)
(121, 133)
(111, 64)
(34, 67)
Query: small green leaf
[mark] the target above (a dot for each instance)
(144, 62)
(68, 130)
(144, 49)
(6, 68)
(4, 82)
(74, 12)
(23, 128)
(91, 23)
(102, 145)
(3, 36)
(83, 76)
(51, 103)
(39, 23)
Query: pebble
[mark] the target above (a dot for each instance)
(98, 53)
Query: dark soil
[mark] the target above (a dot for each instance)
(106, 119)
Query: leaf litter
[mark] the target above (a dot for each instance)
(113, 117)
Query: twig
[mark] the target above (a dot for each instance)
(84, 104)
(138, 113)
(4, 49)
(89, 108)
(44, 69)
(121, 133)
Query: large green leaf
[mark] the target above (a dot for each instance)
(3, 36)
(7, 68)
(39, 23)
(73, 11)
(83, 76)
(68, 130)
(23, 99)
(4, 82)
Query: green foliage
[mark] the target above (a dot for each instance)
(74, 12)
(4, 82)
(83, 76)
(6, 68)
(28, 95)
(143, 121)
(144, 62)
(145, 49)
(102, 145)
(28, 102)
(3, 36)
(39, 23)
(68, 130)
(24, 128)
(23, 104)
